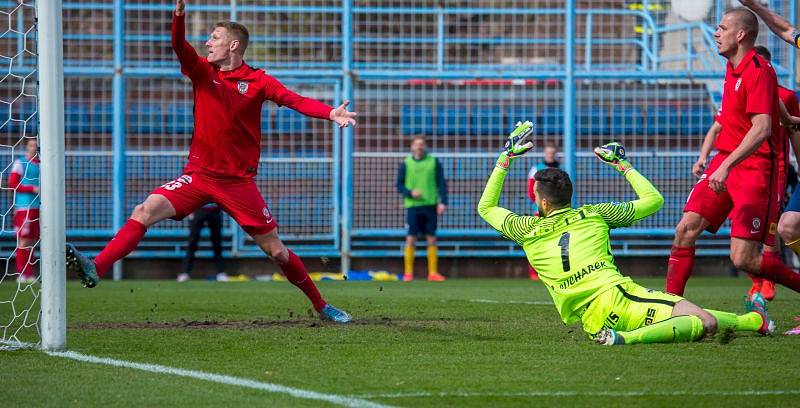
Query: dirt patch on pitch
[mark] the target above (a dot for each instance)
(238, 324)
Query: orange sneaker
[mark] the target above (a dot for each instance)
(435, 277)
(768, 290)
(408, 277)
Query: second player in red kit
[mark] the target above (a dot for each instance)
(223, 157)
(742, 180)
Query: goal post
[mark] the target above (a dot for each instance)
(53, 323)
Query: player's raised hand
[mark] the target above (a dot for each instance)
(613, 154)
(517, 144)
(342, 116)
(180, 7)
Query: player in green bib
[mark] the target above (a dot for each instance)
(571, 250)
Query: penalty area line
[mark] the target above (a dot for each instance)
(345, 401)
(513, 302)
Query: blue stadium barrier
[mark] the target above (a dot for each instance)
(452, 120)
(102, 117)
(289, 121)
(627, 120)
(519, 113)
(552, 122)
(179, 118)
(76, 118)
(145, 118)
(592, 120)
(487, 120)
(663, 120)
(321, 211)
(416, 120)
(696, 119)
(22, 111)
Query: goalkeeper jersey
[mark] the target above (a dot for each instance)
(570, 248)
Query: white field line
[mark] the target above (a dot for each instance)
(513, 302)
(344, 401)
(742, 393)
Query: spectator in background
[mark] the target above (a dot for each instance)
(24, 180)
(210, 215)
(420, 180)
(550, 161)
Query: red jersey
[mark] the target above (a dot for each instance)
(749, 89)
(789, 99)
(227, 109)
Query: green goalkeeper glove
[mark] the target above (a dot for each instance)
(517, 144)
(613, 154)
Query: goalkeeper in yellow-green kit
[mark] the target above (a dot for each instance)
(571, 250)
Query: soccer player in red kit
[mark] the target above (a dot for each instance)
(223, 157)
(741, 182)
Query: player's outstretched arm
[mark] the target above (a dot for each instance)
(187, 56)
(509, 224)
(628, 213)
(779, 25)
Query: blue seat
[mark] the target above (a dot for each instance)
(180, 118)
(552, 122)
(696, 119)
(487, 120)
(76, 118)
(663, 120)
(293, 209)
(24, 111)
(102, 117)
(145, 118)
(76, 210)
(266, 119)
(416, 120)
(627, 120)
(322, 208)
(288, 121)
(451, 120)
(519, 113)
(592, 120)
(5, 116)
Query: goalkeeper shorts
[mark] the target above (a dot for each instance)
(626, 307)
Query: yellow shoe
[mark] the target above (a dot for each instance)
(408, 277)
(435, 277)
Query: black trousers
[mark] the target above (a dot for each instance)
(201, 218)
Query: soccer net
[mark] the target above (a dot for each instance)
(19, 186)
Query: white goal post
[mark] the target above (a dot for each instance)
(53, 322)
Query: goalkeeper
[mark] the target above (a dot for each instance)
(570, 249)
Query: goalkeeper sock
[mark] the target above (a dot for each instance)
(123, 243)
(772, 268)
(679, 268)
(23, 261)
(296, 273)
(726, 320)
(408, 260)
(673, 330)
(433, 260)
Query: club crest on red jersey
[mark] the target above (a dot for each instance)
(243, 87)
(738, 84)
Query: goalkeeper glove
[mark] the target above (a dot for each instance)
(517, 144)
(613, 154)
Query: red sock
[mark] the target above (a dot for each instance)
(773, 268)
(24, 261)
(295, 272)
(679, 268)
(756, 280)
(122, 244)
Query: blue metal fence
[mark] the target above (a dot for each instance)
(585, 70)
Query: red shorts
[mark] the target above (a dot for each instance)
(752, 199)
(237, 196)
(26, 223)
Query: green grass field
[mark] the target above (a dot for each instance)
(460, 343)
